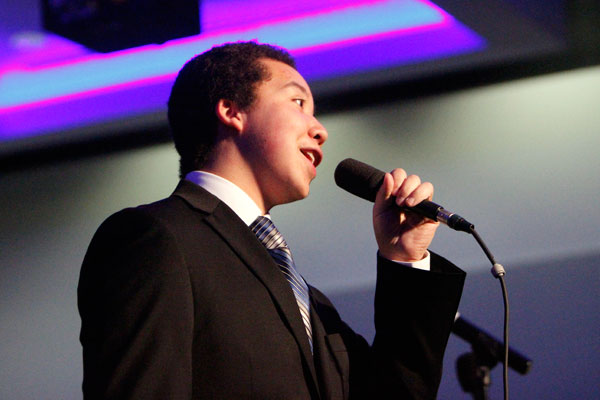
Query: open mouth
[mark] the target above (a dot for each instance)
(313, 156)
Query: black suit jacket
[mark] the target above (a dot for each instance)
(179, 300)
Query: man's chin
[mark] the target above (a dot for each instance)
(299, 196)
(296, 195)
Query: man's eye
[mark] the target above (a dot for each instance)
(300, 102)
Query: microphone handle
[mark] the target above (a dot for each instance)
(434, 211)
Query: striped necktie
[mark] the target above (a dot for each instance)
(271, 238)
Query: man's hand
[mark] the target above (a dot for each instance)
(402, 236)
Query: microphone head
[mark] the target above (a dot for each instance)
(358, 178)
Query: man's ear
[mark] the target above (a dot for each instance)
(230, 114)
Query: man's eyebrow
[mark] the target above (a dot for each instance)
(297, 85)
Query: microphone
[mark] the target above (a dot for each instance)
(363, 180)
(485, 345)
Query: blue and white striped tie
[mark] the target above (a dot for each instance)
(271, 238)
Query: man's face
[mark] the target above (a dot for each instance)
(281, 139)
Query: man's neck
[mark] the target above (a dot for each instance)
(239, 173)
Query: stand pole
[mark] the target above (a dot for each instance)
(474, 375)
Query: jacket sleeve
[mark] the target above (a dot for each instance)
(136, 307)
(414, 313)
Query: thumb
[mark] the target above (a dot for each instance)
(385, 190)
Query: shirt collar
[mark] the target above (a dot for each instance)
(229, 193)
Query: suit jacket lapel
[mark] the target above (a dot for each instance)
(249, 249)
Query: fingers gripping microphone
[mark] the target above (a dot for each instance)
(364, 181)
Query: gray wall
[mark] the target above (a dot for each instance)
(518, 159)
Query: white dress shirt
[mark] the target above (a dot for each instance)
(245, 208)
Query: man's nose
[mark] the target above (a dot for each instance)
(319, 133)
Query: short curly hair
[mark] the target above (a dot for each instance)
(230, 71)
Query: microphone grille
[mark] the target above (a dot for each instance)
(358, 178)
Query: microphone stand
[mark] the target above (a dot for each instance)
(473, 369)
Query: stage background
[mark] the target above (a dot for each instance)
(519, 159)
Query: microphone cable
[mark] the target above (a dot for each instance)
(498, 273)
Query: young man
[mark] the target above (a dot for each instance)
(180, 299)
